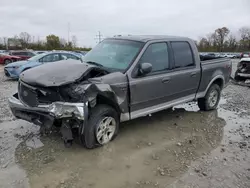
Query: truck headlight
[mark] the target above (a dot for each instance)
(66, 109)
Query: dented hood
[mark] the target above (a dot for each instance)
(56, 73)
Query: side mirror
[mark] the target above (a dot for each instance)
(145, 68)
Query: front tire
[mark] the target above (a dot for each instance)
(211, 99)
(7, 61)
(102, 126)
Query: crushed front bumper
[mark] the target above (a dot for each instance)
(45, 114)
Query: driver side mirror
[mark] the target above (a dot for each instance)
(145, 68)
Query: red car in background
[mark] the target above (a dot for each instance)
(24, 55)
(6, 59)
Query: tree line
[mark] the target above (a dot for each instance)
(223, 40)
(52, 42)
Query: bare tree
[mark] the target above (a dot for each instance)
(244, 33)
(245, 38)
(25, 39)
(221, 34)
(74, 41)
(232, 43)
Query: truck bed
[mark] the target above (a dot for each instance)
(211, 69)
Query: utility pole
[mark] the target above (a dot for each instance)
(6, 42)
(68, 31)
(99, 37)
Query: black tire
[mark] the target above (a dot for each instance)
(204, 103)
(237, 77)
(7, 61)
(89, 137)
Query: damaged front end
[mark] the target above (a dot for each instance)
(54, 100)
(242, 74)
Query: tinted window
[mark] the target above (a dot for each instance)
(183, 56)
(51, 58)
(15, 53)
(157, 55)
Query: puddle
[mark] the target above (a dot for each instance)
(161, 146)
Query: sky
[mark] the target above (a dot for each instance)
(84, 18)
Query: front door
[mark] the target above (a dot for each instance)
(151, 90)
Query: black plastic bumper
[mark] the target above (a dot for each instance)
(37, 115)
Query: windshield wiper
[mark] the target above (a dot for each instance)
(94, 63)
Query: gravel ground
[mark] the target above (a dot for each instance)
(180, 147)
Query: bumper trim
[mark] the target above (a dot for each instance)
(244, 75)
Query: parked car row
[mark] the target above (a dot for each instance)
(13, 70)
(216, 54)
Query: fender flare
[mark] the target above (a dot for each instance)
(213, 80)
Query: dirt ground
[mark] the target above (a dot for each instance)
(177, 148)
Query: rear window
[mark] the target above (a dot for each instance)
(183, 56)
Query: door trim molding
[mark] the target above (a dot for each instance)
(159, 107)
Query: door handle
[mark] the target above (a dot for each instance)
(193, 74)
(165, 80)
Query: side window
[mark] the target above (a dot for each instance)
(30, 54)
(157, 55)
(50, 58)
(15, 53)
(70, 56)
(183, 56)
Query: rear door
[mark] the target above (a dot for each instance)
(185, 75)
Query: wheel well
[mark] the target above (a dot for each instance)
(105, 100)
(219, 82)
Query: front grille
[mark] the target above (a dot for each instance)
(6, 73)
(27, 94)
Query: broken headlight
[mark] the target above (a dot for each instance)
(65, 109)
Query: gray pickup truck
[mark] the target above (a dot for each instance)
(121, 79)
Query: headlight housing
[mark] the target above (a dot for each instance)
(65, 109)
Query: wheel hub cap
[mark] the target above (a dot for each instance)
(105, 130)
(213, 98)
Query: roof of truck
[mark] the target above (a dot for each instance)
(146, 38)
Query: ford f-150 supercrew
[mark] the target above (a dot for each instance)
(121, 79)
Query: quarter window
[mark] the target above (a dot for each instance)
(183, 56)
(157, 55)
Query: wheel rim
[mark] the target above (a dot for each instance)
(105, 130)
(213, 98)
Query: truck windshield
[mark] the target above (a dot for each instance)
(116, 54)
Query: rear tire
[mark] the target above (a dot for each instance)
(211, 99)
(95, 128)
